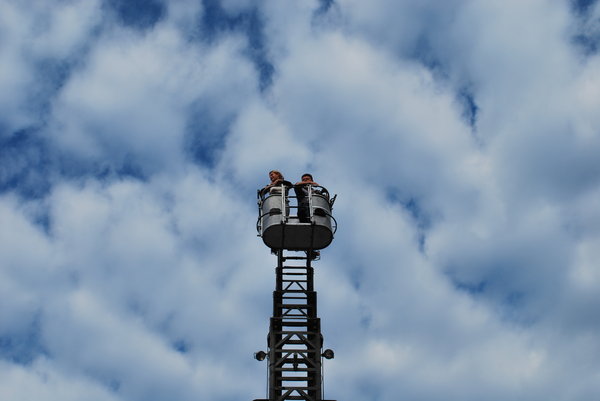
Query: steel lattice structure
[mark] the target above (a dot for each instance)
(295, 343)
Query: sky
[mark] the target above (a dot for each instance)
(462, 138)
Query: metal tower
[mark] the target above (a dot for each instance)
(295, 343)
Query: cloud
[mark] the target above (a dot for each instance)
(43, 381)
(34, 40)
(461, 139)
(137, 94)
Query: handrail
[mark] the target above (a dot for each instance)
(320, 190)
(283, 191)
(333, 226)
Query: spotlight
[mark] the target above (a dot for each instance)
(260, 355)
(328, 354)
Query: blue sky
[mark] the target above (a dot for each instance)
(462, 138)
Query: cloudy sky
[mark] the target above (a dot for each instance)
(462, 138)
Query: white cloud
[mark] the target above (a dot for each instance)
(33, 34)
(43, 381)
(260, 142)
(136, 92)
(464, 266)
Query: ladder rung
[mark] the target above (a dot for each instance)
(294, 378)
(296, 369)
(299, 351)
(295, 388)
(307, 322)
(295, 342)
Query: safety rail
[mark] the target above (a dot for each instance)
(304, 217)
(264, 193)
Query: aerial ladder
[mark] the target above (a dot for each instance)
(295, 344)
